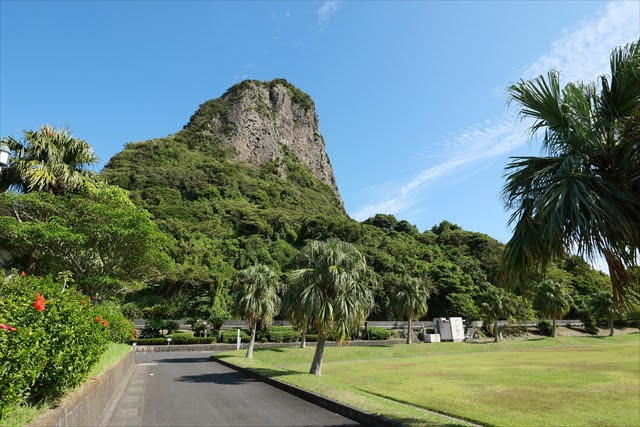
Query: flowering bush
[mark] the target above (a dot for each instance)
(49, 339)
(119, 328)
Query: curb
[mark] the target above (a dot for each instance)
(348, 411)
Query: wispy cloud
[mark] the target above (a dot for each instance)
(580, 54)
(327, 9)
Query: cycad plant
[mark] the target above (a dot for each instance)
(255, 293)
(331, 288)
(49, 160)
(553, 300)
(584, 194)
(411, 300)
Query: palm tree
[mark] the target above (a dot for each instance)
(50, 160)
(411, 300)
(553, 300)
(603, 307)
(585, 194)
(332, 290)
(495, 305)
(292, 310)
(255, 293)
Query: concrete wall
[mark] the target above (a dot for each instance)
(87, 406)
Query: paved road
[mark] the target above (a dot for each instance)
(187, 389)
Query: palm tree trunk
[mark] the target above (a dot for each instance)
(496, 331)
(611, 326)
(316, 365)
(409, 330)
(303, 338)
(553, 331)
(252, 340)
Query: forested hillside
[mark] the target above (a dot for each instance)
(225, 213)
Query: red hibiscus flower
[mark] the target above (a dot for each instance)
(22, 273)
(39, 303)
(105, 323)
(98, 319)
(7, 327)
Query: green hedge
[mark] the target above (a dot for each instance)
(47, 344)
(377, 333)
(175, 340)
(280, 334)
(312, 338)
(231, 336)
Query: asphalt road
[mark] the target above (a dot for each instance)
(187, 389)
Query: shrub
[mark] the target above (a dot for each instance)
(230, 336)
(590, 326)
(545, 328)
(171, 326)
(119, 327)
(312, 337)
(175, 340)
(50, 338)
(377, 333)
(633, 316)
(152, 329)
(280, 334)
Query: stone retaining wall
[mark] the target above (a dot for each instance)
(87, 406)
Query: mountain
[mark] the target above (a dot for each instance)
(248, 180)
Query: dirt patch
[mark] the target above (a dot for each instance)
(400, 365)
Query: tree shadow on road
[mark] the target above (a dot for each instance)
(224, 378)
(201, 359)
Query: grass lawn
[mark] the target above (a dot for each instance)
(545, 381)
(22, 414)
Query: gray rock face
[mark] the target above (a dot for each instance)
(259, 119)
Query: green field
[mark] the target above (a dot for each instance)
(561, 381)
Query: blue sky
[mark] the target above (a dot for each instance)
(411, 96)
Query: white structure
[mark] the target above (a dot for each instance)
(451, 329)
(431, 337)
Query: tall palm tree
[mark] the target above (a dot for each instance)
(496, 305)
(585, 194)
(255, 293)
(48, 159)
(411, 300)
(332, 290)
(553, 300)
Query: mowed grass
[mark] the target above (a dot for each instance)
(562, 382)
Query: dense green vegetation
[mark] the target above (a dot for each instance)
(225, 216)
(545, 381)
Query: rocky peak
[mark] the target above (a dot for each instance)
(260, 120)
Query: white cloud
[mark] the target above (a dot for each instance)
(579, 55)
(327, 9)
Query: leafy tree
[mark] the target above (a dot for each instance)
(496, 305)
(107, 243)
(411, 300)
(332, 289)
(553, 300)
(255, 293)
(49, 160)
(585, 193)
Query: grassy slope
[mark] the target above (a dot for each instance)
(19, 415)
(566, 381)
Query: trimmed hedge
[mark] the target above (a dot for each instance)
(175, 340)
(50, 337)
(312, 338)
(377, 333)
(231, 336)
(280, 334)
